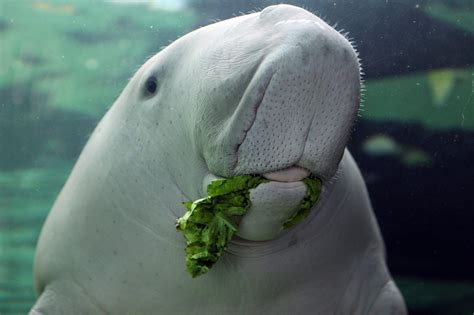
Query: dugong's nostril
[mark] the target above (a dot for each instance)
(267, 10)
(280, 12)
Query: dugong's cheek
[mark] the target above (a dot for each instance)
(272, 204)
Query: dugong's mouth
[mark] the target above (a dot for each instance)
(288, 175)
(274, 201)
(255, 208)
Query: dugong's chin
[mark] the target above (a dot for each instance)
(272, 203)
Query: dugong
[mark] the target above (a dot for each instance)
(275, 93)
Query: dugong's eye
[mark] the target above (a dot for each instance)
(151, 85)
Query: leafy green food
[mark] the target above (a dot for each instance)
(210, 222)
(312, 195)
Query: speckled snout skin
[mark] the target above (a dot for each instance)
(249, 95)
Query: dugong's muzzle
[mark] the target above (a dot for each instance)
(294, 114)
(298, 107)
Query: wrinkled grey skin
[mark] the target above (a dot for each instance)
(249, 95)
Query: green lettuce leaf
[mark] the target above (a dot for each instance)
(312, 195)
(210, 222)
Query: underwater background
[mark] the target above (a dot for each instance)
(63, 63)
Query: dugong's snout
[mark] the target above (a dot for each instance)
(284, 101)
(299, 105)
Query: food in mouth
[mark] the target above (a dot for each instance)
(210, 222)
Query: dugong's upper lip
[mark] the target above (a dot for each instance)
(290, 174)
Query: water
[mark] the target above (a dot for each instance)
(63, 64)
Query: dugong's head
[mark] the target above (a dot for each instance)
(272, 93)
